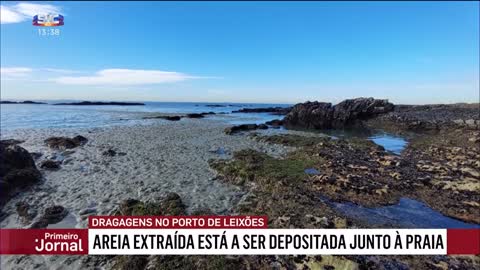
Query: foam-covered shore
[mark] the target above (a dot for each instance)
(159, 158)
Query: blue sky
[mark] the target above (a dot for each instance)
(278, 52)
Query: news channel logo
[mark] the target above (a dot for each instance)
(48, 20)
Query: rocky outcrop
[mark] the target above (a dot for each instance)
(195, 115)
(17, 170)
(25, 212)
(49, 164)
(11, 142)
(322, 115)
(244, 127)
(351, 110)
(178, 117)
(36, 155)
(171, 204)
(63, 143)
(199, 115)
(272, 110)
(165, 117)
(429, 117)
(275, 123)
(51, 215)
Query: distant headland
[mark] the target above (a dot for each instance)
(99, 103)
(21, 102)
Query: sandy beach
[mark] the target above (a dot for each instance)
(151, 161)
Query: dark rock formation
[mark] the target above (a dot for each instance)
(65, 143)
(195, 115)
(36, 155)
(21, 102)
(239, 128)
(99, 103)
(262, 126)
(172, 118)
(22, 208)
(244, 127)
(273, 110)
(321, 115)
(50, 164)
(80, 139)
(314, 115)
(351, 110)
(17, 170)
(11, 142)
(52, 215)
(130, 262)
(199, 115)
(429, 117)
(178, 117)
(165, 117)
(109, 153)
(215, 105)
(25, 212)
(275, 123)
(171, 204)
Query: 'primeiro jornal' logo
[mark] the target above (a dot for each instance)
(48, 20)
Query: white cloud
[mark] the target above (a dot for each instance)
(31, 10)
(105, 77)
(8, 15)
(125, 77)
(24, 12)
(60, 70)
(15, 71)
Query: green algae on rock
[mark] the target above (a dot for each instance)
(171, 205)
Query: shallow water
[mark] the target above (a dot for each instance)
(407, 213)
(391, 143)
(312, 171)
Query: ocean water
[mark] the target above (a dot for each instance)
(21, 116)
(16, 116)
